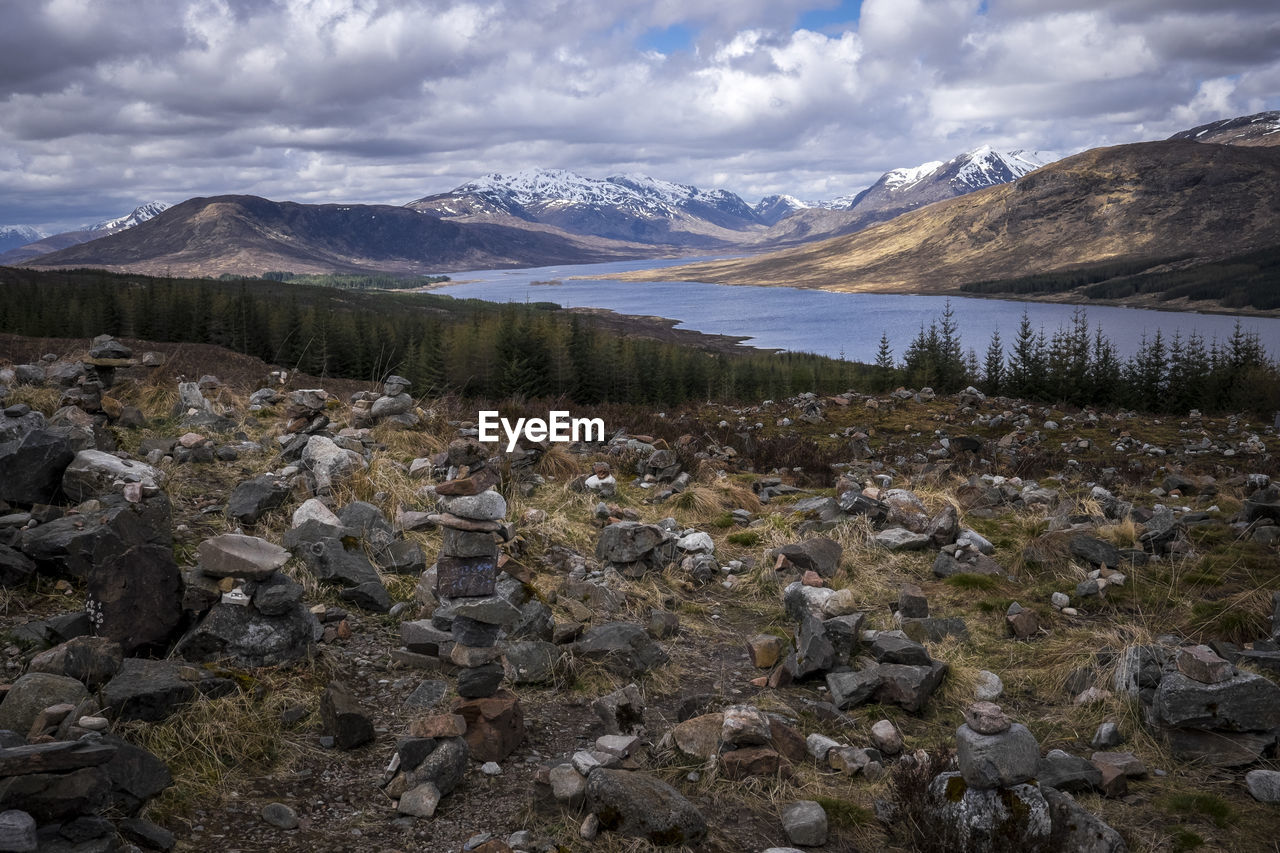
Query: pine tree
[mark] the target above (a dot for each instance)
(993, 366)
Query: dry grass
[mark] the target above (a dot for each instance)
(211, 743)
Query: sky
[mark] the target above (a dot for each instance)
(109, 104)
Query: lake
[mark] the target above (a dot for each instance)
(845, 325)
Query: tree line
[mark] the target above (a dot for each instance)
(443, 345)
(1079, 366)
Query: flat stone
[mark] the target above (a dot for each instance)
(236, 555)
(1245, 702)
(485, 506)
(1066, 772)
(1201, 664)
(699, 737)
(986, 718)
(896, 647)
(901, 539)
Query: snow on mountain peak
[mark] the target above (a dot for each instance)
(985, 166)
(140, 214)
(21, 232)
(905, 179)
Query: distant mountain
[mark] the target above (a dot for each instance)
(899, 191)
(140, 214)
(13, 236)
(1144, 203)
(772, 208)
(42, 244)
(250, 235)
(634, 208)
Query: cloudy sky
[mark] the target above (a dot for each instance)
(109, 103)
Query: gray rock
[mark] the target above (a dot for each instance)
(396, 404)
(1066, 772)
(332, 465)
(152, 690)
(628, 541)
(999, 760)
(895, 647)
(532, 662)
(92, 473)
(252, 499)
(189, 397)
(248, 637)
(34, 692)
(638, 805)
(1080, 831)
(276, 596)
(987, 820)
(1094, 551)
(623, 647)
(420, 800)
(805, 823)
(901, 539)
(492, 610)
(622, 711)
(1246, 702)
(1106, 737)
(92, 661)
(236, 555)
(280, 816)
(1263, 785)
(909, 686)
(16, 568)
(32, 463)
(815, 653)
(444, 766)
(329, 559)
(486, 506)
(851, 689)
(944, 527)
(55, 797)
(477, 682)
(342, 717)
(429, 694)
(134, 587)
(370, 595)
(818, 554)
(17, 831)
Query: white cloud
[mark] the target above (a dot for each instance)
(382, 101)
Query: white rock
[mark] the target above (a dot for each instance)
(313, 509)
(698, 542)
(989, 686)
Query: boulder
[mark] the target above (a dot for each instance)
(1263, 785)
(34, 692)
(628, 541)
(16, 568)
(805, 823)
(93, 661)
(1079, 830)
(152, 690)
(818, 554)
(909, 686)
(988, 820)
(32, 465)
(1245, 702)
(92, 473)
(134, 588)
(640, 806)
(332, 465)
(248, 636)
(996, 761)
(252, 499)
(623, 647)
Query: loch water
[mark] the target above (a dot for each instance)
(845, 325)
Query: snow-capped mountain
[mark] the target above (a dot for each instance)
(140, 214)
(900, 190)
(13, 236)
(773, 208)
(42, 244)
(635, 208)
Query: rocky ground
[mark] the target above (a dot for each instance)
(848, 623)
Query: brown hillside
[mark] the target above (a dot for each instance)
(1152, 200)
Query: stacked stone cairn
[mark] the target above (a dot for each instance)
(393, 405)
(992, 798)
(486, 722)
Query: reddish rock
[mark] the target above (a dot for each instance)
(764, 650)
(753, 761)
(438, 725)
(789, 743)
(483, 479)
(699, 737)
(495, 725)
(1200, 663)
(811, 578)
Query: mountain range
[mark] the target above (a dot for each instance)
(1203, 194)
(1145, 206)
(38, 243)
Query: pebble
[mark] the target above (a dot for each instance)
(1070, 611)
(590, 828)
(94, 724)
(491, 768)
